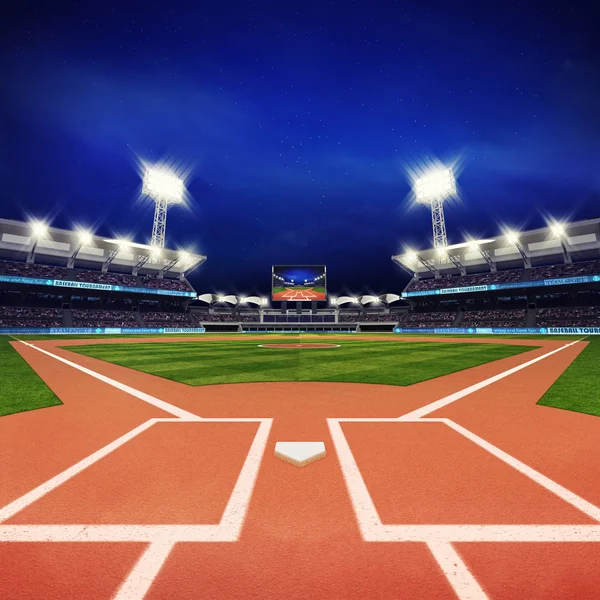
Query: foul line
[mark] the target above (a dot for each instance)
(456, 571)
(433, 406)
(169, 408)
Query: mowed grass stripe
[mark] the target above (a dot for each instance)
(356, 361)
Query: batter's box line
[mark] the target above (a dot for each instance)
(371, 527)
(228, 528)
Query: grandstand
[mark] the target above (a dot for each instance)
(548, 277)
(53, 278)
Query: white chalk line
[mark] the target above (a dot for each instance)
(169, 408)
(142, 575)
(161, 541)
(457, 573)
(145, 571)
(433, 406)
(38, 492)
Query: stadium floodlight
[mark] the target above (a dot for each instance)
(220, 298)
(433, 189)
(124, 244)
(85, 238)
(410, 257)
(164, 187)
(265, 301)
(558, 229)
(512, 237)
(242, 299)
(39, 229)
(333, 301)
(441, 251)
(155, 252)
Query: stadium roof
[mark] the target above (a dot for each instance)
(256, 300)
(554, 244)
(59, 246)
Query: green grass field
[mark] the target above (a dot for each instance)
(21, 389)
(578, 388)
(356, 361)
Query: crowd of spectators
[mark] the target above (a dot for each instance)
(378, 318)
(448, 281)
(578, 316)
(508, 276)
(177, 285)
(17, 316)
(39, 271)
(218, 318)
(494, 318)
(21, 269)
(566, 270)
(165, 317)
(431, 317)
(108, 278)
(249, 317)
(103, 318)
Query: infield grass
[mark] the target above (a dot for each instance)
(355, 361)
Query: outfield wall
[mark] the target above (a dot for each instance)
(511, 330)
(93, 330)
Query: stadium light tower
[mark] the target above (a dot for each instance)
(433, 189)
(164, 187)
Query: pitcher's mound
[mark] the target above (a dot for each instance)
(283, 346)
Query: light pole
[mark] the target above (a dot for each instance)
(433, 189)
(164, 187)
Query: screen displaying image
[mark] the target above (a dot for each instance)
(299, 283)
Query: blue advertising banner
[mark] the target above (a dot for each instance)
(94, 330)
(507, 330)
(86, 285)
(505, 286)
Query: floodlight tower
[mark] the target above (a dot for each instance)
(164, 187)
(433, 189)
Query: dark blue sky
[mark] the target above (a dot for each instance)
(299, 119)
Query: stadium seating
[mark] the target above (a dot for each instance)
(584, 316)
(508, 276)
(103, 318)
(494, 318)
(21, 269)
(13, 316)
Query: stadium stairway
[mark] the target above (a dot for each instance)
(459, 318)
(530, 318)
(139, 320)
(67, 318)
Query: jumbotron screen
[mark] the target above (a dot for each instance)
(299, 283)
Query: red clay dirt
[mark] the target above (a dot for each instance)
(300, 538)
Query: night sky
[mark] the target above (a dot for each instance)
(298, 120)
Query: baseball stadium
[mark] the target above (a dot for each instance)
(160, 441)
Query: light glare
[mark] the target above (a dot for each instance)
(162, 184)
(39, 229)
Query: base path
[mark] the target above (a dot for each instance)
(489, 496)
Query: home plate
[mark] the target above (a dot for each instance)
(300, 453)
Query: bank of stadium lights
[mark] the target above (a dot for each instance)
(164, 187)
(265, 301)
(38, 229)
(85, 238)
(432, 189)
(155, 252)
(557, 229)
(512, 237)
